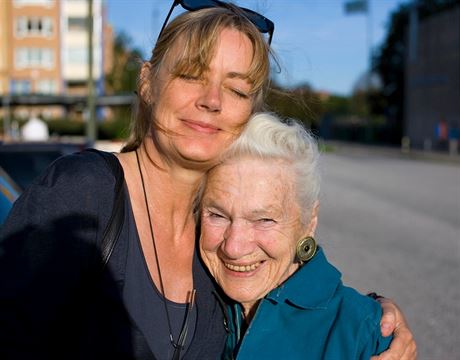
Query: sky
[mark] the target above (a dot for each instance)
(315, 40)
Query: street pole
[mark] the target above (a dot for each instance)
(369, 74)
(364, 6)
(7, 117)
(91, 129)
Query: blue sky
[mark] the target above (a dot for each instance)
(316, 42)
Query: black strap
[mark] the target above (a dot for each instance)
(113, 229)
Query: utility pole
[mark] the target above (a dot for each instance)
(355, 7)
(91, 129)
(368, 136)
(7, 116)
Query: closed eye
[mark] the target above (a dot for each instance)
(215, 215)
(189, 77)
(266, 220)
(240, 94)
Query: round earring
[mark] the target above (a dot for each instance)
(306, 249)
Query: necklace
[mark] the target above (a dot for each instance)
(179, 345)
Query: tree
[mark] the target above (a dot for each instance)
(299, 103)
(126, 65)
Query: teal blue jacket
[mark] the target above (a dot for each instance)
(311, 316)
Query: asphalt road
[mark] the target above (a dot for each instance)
(392, 225)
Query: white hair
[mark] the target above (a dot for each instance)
(267, 137)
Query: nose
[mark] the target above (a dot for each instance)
(238, 241)
(210, 98)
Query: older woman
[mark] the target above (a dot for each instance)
(207, 74)
(259, 213)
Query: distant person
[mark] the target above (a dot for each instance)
(208, 72)
(35, 129)
(259, 213)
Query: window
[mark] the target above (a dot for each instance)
(77, 55)
(20, 86)
(34, 26)
(34, 57)
(21, 58)
(47, 3)
(47, 86)
(21, 26)
(76, 23)
(47, 26)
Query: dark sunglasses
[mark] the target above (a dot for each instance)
(263, 24)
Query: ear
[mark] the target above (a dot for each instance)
(313, 220)
(144, 82)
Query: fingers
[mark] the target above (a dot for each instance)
(390, 316)
(411, 349)
(403, 346)
(395, 352)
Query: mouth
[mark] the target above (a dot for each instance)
(243, 268)
(201, 127)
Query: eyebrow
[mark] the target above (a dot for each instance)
(237, 75)
(263, 212)
(212, 204)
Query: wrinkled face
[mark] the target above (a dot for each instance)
(250, 224)
(203, 115)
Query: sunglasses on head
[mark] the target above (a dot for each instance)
(263, 24)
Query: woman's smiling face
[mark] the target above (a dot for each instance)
(250, 224)
(204, 114)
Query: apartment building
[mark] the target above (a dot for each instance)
(33, 47)
(432, 89)
(44, 46)
(74, 51)
(4, 42)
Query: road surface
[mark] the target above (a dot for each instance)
(392, 225)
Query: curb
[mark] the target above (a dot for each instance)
(354, 148)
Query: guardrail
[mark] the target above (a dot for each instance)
(65, 100)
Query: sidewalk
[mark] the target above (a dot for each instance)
(355, 148)
(343, 147)
(108, 145)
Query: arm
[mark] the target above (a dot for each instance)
(403, 345)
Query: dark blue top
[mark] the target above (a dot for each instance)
(145, 303)
(54, 301)
(311, 316)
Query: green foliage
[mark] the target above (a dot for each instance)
(336, 105)
(114, 129)
(117, 128)
(300, 103)
(126, 66)
(65, 127)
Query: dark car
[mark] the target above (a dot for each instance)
(21, 163)
(25, 161)
(9, 192)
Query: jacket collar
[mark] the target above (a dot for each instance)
(312, 286)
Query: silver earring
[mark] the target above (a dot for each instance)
(306, 249)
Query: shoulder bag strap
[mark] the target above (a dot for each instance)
(113, 229)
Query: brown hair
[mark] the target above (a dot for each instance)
(197, 32)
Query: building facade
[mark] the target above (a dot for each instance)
(44, 47)
(34, 41)
(432, 89)
(74, 51)
(4, 45)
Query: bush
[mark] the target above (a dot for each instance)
(117, 128)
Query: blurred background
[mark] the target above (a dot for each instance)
(378, 81)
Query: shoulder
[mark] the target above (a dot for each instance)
(358, 306)
(363, 314)
(75, 192)
(88, 167)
